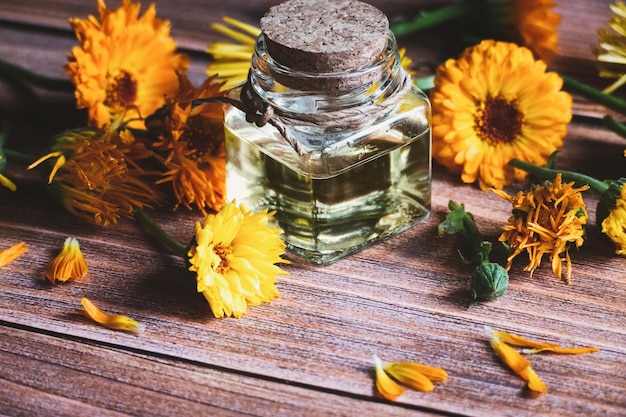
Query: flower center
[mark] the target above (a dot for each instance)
(223, 252)
(122, 90)
(499, 121)
(200, 136)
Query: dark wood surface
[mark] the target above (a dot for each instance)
(310, 351)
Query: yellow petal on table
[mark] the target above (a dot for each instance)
(564, 350)
(535, 383)
(515, 340)
(112, 321)
(386, 386)
(430, 372)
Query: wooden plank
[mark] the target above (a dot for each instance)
(41, 373)
(310, 350)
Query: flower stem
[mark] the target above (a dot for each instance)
(548, 174)
(169, 242)
(22, 158)
(594, 95)
(429, 19)
(425, 83)
(55, 84)
(615, 126)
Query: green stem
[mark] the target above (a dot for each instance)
(615, 126)
(22, 158)
(548, 174)
(594, 95)
(425, 83)
(55, 84)
(428, 19)
(169, 242)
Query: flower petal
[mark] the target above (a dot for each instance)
(386, 386)
(112, 321)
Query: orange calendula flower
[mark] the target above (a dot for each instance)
(112, 321)
(125, 64)
(190, 144)
(9, 255)
(234, 255)
(484, 114)
(548, 219)
(97, 177)
(415, 375)
(529, 23)
(533, 23)
(68, 264)
(518, 364)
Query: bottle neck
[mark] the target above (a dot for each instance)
(301, 95)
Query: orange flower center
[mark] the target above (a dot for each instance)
(122, 91)
(498, 121)
(223, 252)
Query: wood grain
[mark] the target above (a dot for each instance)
(309, 352)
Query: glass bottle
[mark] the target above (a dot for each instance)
(357, 173)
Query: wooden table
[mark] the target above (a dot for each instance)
(310, 351)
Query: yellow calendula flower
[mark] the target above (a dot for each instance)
(68, 264)
(234, 255)
(484, 114)
(125, 64)
(614, 224)
(611, 49)
(231, 61)
(415, 375)
(10, 254)
(97, 177)
(112, 321)
(548, 219)
(190, 144)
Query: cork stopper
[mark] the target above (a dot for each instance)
(324, 36)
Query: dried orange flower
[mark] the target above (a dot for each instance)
(415, 375)
(484, 114)
(97, 177)
(548, 219)
(125, 64)
(68, 264)
(190, 144)
(234, 254)
(112, 321)
(10, 254)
